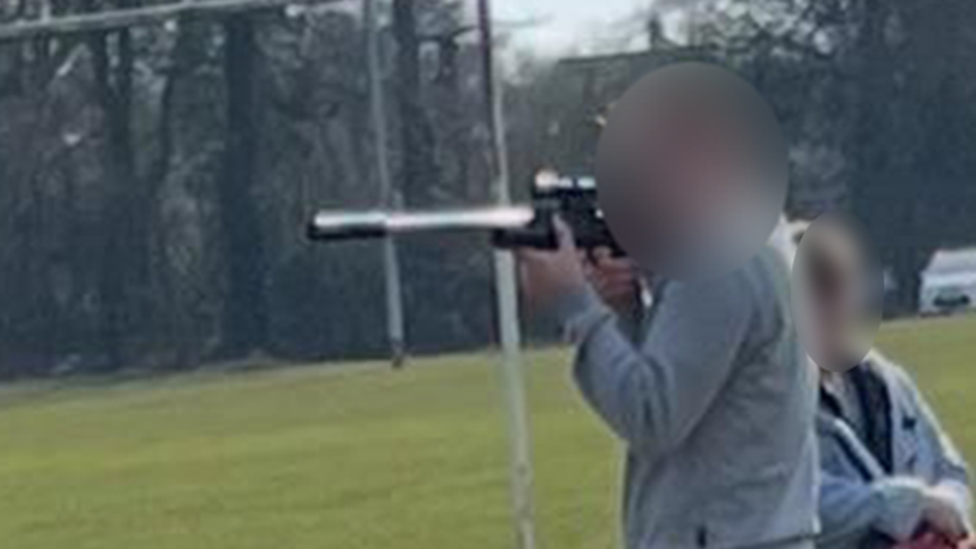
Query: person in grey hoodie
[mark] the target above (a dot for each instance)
(711, 395)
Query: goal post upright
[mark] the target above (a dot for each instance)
(389, 195)
(506, 295)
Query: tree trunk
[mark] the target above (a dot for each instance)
(245, 312)
(123, 261)
(416, 135)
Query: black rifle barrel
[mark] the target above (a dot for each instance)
(345, 225)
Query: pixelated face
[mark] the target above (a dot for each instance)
(836, 282)
(680, 180)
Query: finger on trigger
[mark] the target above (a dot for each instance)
(563, 233)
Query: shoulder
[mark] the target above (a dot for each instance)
(755, 294)
(765, 282)
(888, 370)
(900, 383)
(735, 290)
(764, 272)
(768, 271)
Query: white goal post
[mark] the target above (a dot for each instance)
(114, 19)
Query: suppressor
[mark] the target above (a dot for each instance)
(344, 225)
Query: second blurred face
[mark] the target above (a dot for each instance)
(835, 280)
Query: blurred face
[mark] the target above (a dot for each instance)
(694, 155)
(673, 171)
(837, 291)
(837, 281)
(829, 288)
(685, 163)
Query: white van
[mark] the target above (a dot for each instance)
(949, 282)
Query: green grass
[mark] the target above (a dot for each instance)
(352, 457)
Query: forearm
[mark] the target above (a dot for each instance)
(616, 382)
(607, 367)
(851, 510)
(653, 394)
(951, 472)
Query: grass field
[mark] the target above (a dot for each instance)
(350, 457)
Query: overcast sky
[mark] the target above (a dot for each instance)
(556, 27)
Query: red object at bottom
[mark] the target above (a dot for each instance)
(931, 540)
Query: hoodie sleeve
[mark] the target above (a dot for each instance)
(951, 471)
(851, 510)
(653, 395)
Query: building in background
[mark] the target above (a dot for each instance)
(591, 84)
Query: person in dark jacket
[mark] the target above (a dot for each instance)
(890, 475)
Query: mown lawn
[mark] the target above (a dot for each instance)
(342, 457)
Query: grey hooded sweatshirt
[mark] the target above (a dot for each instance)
(715, 401)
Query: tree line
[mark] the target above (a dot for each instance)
(155, 181)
